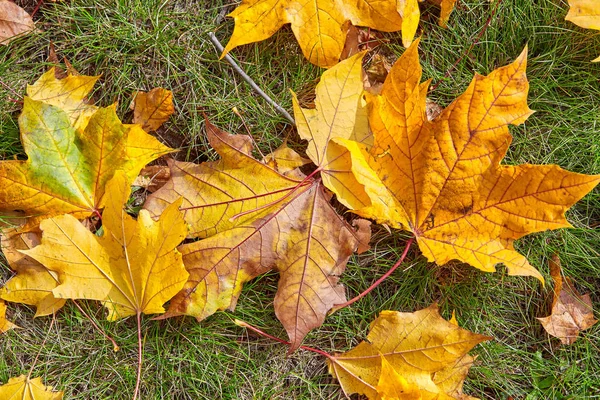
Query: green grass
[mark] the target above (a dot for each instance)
(140, 44)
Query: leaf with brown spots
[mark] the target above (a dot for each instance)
(152, 109)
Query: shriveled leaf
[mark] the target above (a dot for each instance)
(340, 112)
(152, 109)
(416, 345)
(571, 311)
(258, 220)
(442, 179)
(33, 283)
(14, 21)
(152, 177)
(68, 167)
(320, 26)
(585, 13)
(5, 325)
(23, 388)
(133, 267)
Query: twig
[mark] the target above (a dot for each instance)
(473, 43)
(41, 347)
(140, 354)
(37, 7)
(378, 281)
(275, 338)
(253, 84)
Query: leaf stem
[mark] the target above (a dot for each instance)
(140, 354)
(115, 345)
(378, 281)
(244, 324)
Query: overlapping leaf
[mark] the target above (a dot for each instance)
(257, 219)
(5, 325)
(133, 267)
(585, 13)
(73, 150)
(340, 112)
(24, 388)
(33, 283)
(424, 354)
(443, 180)
(320, 26)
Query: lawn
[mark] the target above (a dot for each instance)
(141, 44)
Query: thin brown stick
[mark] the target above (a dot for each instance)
(378, 281)
(115, 345)
(473, 43)
(250, 81)
(37, 7)
(140, 355)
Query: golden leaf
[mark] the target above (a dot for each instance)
(132, 268)
(340, 113)
(152, 109)
(416, 345)
(23, 388)
(585, 13)
(320, 26)
(14, 21)
(257, 220)
(68, 166)
(571, 311)
(442, 179)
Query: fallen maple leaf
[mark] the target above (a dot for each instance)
(73, 150)
(132, 268)
(571, 312)
(33, 283)
(152, 109)
(5, 325)
(14, 21)
(442, 179)
(340, 112)
(321, 26)
(585, 13)
(257, 219)
(23, 388)
(422, 352)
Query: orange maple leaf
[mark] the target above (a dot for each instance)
(442, 179)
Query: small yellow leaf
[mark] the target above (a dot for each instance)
(23, 388)
(418, 346)
(153, 108)
(33, 283)
(132, 268)
(14, 21)
(284, 159)
(447, 8)
(5, 325)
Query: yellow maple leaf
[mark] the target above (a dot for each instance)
(68, 165)
(24, 388)
(152, 109)
(320, 26)
(414, 347)
(33, 283)
(442, 179)
(585, 13)
(132, 268)
(340, 112)
(258, 220)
